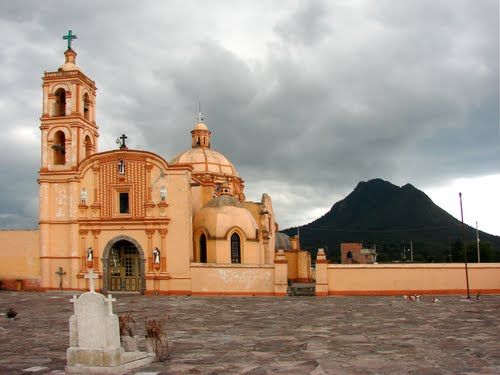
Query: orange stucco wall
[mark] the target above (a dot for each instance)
(241, 279)
(292, 260)
(393, 279)
(19, 253)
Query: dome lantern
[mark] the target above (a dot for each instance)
(200, 134)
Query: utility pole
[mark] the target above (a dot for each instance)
(477, 243)
(411, 250)
(465, 248)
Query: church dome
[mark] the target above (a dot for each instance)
(205, 160)
(223, 213)
(200, 126)
(282, 242)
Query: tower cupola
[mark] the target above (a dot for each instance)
(69, 64)
(200, 134)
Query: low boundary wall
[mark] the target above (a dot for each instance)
(398, 279)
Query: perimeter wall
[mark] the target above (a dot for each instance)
(20, 263)
(398, 279)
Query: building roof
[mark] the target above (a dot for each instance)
(205, 160)
(222, 214)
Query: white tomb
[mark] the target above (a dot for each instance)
(94, 337)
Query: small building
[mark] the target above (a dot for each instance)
(354, 253)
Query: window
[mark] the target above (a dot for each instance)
(124, 203)
(235, 248)
(203, 248)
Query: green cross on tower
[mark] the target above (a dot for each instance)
(69, 38)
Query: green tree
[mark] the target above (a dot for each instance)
(487, 254)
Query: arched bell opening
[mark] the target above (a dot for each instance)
(86, 107)
(59, 148)
(60, 102)
(88, 146)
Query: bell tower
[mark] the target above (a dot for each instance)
(69, 135)
(68, 126)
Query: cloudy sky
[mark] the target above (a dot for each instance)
(306, 98)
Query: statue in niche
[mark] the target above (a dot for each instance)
(90, 254)
(163, 193)
(156, 255)
(121, 167)
(83, 196)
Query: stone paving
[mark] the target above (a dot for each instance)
(290, 335)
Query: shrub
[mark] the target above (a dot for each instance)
(127, 324)
(11, 313)
(155, 332)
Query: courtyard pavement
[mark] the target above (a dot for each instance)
(264, 335)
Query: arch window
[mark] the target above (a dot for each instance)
(86, 106)
(58, 148)
(235, 248)
(60, 102)
(203, 248)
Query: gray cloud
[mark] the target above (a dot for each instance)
(306, 101)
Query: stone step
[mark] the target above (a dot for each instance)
(302, 289)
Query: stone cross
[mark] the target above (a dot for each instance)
(61, 273)
(91, 278)
(110, 301)
(73, 301)
(69, 38)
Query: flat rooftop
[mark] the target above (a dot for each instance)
(263, 335)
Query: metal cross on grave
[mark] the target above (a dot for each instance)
(110, 301)
(69, 38)
(60, 273)
(91, 278)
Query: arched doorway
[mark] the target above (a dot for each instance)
(123, 266)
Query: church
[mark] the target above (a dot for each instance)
(143, 223)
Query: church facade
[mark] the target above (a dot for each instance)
(142, 223)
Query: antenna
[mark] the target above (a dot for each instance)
(477, 244)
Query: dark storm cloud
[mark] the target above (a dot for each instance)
(307, 24)
(306, 100)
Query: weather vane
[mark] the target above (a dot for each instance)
(69, 38)
(200, 116)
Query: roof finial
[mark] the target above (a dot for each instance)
(200, 116)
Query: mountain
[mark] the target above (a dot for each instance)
(393, 218)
